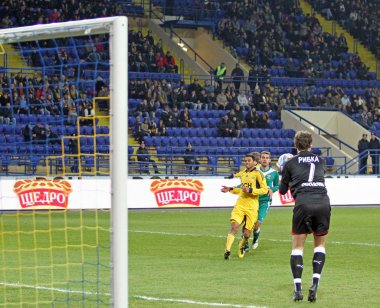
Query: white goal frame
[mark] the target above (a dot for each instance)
(117, 27)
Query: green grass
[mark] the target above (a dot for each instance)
(178, 255)
(49, 258)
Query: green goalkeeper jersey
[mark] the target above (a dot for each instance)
(273, 181)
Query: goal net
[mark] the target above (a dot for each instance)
(63, 164)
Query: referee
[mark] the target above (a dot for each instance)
(304, 175)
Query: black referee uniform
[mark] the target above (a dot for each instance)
(304, 175)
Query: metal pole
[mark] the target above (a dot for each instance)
(119, 159)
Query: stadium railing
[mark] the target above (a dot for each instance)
(320, 130)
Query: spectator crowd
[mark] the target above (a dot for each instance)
(277, 33)
(360, 17)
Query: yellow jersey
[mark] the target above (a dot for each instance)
(257, 184)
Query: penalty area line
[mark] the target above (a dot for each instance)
(27, 286)
(192, 302)
(142, 297)
(271, 240)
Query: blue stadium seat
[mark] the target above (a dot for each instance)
(238, 142)
(83, 141)
(192, 132)
(204, 141)
(89, 162)
(196, 122)
(102, 140)
(204, 122)
(104, 130)
(274, 142)
(268, 142)
(246, 132)
(70, 130)
(196, 142)
(172, 141)
(57, 148)
(212, 142)
(316, 151)
(220, 141)
(329, 161)
(170, 131)
(261, 133)
(273, 115)
(200, 132)
(254, 133)
(10, 139)
(181, 131)
(243, 150)
(130, 150)
(272, 124)
(213, 122)
(103, 149)
(228, 142)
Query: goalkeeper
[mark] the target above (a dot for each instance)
(245, 210)
(265, 201)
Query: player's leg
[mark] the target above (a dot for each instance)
(237, 216)
(296, 264)
(321, 225)
(256, 234)
(300, 232)
(244, 242)
(263, 211)
(246, 246)
(318, 263)
(231, 238)
(250, 219)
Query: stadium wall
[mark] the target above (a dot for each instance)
(319, 139)
(196, 67)
(91, 193)
(211, 50)
(337, 124)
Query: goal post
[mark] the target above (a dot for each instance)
(117, 28)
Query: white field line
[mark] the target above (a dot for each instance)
(147, 298)
(27, 286)
(191, 302)
(272, 240)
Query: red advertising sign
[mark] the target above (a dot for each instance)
(287, 199)
(177, 192)
(43, 193)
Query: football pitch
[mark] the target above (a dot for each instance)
(62, 259)
(176, 260)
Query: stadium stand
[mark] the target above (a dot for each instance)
(293, 64)
(360, 18)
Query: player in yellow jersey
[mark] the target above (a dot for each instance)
(252, 185)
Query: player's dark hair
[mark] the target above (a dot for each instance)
(256, 155)
(252, 156)
(302, 140)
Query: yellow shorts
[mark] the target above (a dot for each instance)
(240, 212)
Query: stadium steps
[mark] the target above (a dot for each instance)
(187, 70)
(14, 60)
(365, 54)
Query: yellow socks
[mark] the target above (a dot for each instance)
(230, 241)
